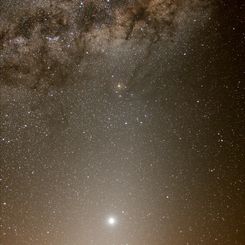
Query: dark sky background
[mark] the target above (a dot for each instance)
(129, 110)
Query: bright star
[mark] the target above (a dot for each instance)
(120, 87)
(111, 221)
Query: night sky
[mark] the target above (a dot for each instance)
(122, 122)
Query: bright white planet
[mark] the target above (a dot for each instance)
(111, 221)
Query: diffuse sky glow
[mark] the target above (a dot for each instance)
(122, 122)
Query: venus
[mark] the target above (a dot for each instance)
(111, 221)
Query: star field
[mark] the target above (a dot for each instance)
(122, 122)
